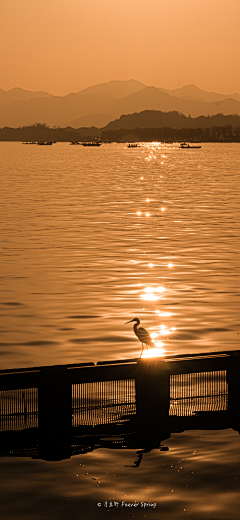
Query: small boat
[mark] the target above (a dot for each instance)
(44, 143)
(185, 146)
(91, 144)
(133, 145)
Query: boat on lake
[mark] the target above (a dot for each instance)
(185, 146)
(44, 143)
(133, 145)
(91, 144)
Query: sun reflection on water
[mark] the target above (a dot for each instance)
(153, 294)
(149, 297)
(160, 289)
(150, 291)
(163, 313)
(154, 352)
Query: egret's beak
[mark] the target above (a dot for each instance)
(129, 321)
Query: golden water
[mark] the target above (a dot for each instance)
(93, 237)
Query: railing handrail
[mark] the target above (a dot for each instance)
(171, 357)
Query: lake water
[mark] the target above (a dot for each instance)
(91, 238)
(78, 261)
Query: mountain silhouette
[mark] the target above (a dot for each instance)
(152, 98)
(54, 110)
(116, 89)
(158, 119)
(97, 120)
(15, 94)
(197, 94)
(100, 104)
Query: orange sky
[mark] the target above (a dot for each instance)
(62, 46)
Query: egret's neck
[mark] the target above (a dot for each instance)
(135, 326)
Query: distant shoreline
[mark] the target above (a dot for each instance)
(167, 141)
(35, 133)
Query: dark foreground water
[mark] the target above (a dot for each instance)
(198, 478)
(91, 238)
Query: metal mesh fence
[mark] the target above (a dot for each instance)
(103, 402)
(18, 409)
(198, 392)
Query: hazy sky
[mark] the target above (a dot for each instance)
(62, 46)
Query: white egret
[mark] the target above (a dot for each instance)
(142, 334)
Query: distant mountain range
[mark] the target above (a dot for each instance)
(157, 119)
(100, 104)
(17, 94)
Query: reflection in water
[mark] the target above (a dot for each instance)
(160, 289)
(154, 352)
(187, 481)
(163, 329)
(150, 292)
(163, 313)
(119, 452)
(69, 230)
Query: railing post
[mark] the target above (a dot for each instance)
(55, 415)
(153, 393)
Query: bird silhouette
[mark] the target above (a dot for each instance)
(142, 334)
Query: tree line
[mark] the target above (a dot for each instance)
(41, 132)
(211, 134)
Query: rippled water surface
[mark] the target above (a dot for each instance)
(197, 479)
(93, 237)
